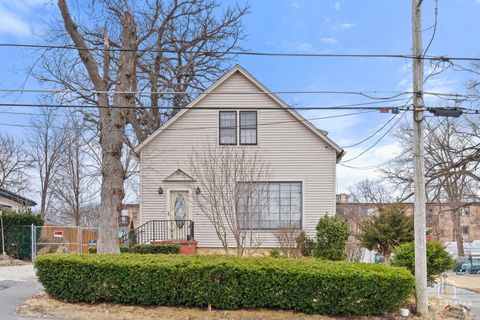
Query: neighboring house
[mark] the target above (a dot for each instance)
(15, 202)
(131, 211)
(439, 218)
(302, 159)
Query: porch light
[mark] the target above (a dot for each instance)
(160, 190)
(197, 190)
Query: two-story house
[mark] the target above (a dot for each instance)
(239, 111)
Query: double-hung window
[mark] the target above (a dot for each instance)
(228, 127)
(248, 127)
(246, 124)
(270, 205)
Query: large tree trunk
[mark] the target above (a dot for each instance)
(112, 119)
(112, 192)
(112, 139)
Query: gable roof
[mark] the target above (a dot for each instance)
(237, 68)
(17, 198)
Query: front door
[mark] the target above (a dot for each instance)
(179, 213)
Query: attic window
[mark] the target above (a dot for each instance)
(228, 127)
(248, 127)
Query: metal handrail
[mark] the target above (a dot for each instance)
(158, 230)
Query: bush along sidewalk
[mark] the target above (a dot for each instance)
(147, 249)
(18, 233)
(307, 285)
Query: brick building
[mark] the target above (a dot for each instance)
(439, 218)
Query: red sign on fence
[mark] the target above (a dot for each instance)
(58, 233)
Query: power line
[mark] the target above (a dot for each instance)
(354, 106)
(378, 165)
(204, 127)
(246, 53)
(366, 94)
(434, 32)
(401, 154)
(378, 140)
(371, 135)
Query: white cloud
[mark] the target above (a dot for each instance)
(295, 5)
(337, 5)
(305, 47)
(12, 24)
(346, 25)
(347, 177)
(297, 45)
(329, 40)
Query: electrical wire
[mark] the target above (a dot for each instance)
(247, 53)
(207, 127)
(434, 29)
(370, 136)
(377, 141)
(353, 106)
(366, 94)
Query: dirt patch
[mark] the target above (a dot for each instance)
(467, 281)
(42, 305)
(6, 261)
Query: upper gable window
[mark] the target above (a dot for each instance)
(228, 127)
(248, 127)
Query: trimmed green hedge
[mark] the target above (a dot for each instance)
(123, 249)
(306, 285)
(156, 248)
(147, 249)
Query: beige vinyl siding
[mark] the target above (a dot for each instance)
(293, 151)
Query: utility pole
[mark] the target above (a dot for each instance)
(419, 163)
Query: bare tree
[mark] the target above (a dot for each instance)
(74, 188)
(167, 47)
(446, 180)
(287, 236)
(46, 144)
(233, 193)
(14, 163)
(370, 191)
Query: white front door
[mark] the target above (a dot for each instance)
(179, 213)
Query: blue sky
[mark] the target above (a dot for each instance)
(345, 26)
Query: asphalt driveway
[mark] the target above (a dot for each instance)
(17, 283)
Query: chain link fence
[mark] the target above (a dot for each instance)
(64, 239)
(16, 241)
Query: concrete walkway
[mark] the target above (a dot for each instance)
(17, 284)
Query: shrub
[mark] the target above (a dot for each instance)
(275, 253)
(18, 233)
(156, 248)
(132, 235)
(306, 245)
(226, 282)
(123, 249)
(384, 231)
(438, 259)
(332, 235)
(147, 249)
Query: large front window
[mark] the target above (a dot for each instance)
(270, 205)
